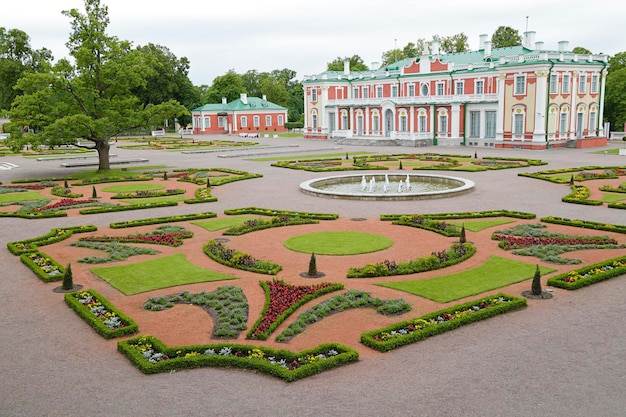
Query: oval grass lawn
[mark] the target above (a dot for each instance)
(338, 243)
(129, 188)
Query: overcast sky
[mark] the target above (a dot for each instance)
(217, 35)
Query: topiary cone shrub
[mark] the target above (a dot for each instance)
(536, 286)
(400, 165)
(65, 184)
(164, 175)
(208, 183)
(94, 194)
(312, 266)
(462, 238)
(68, 279)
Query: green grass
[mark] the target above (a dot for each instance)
(309, 156)
(218, 224)
(477, 226)
(567, 176)
(112, 173)
(612, 198)
(338, 243)
(132, 187)
(172, 198)
(164, 272)
(405, 163)
(23, 196)
(496, 273)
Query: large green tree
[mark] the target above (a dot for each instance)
(615, 101)
(91, 98)
(229, 85)
(505, 36)
(17, 58)
(356, 64)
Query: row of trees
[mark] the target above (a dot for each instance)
(109, 87)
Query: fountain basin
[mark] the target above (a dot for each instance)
(353, 187)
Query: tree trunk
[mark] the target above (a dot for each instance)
(102, 146)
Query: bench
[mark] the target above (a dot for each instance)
(186, 131)
(59, 158)
(158, 133)
(96, 163)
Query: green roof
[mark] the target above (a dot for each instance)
(251, 104)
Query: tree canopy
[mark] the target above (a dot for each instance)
(447, 45)
(90, 98)
(356, 64)
(17, 58)
(615, 101)
(505, 36)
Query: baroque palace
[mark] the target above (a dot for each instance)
(524, 97)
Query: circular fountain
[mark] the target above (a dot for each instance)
(387, 187)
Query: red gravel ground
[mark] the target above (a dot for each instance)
(558, 357)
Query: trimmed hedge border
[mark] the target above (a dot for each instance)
(54, 236)
(276, 268)
(580, 195)
(599, 274)
(34, 215)
(617, 205)
(166, 219)
(85, 313)
(464, 215)
(289, 311)
(111, 209)
(38, 270)
(263, 224)
(585, 224)
(433, 225)
(369, 338)
(270, 212)
(241, 175)
(428, 263)
(544, 175)
(256, 358)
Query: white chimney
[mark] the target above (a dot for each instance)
(375, 65)
(482, 39)
(346, 66)
(529, 39)
(224, 100)
(487, 48)
(244, 98)
(435, 47)
(538, 46)
(264, 97)
(563, 46)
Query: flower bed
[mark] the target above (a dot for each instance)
(150, 355)
(166, 219)
(411, 331)
(105, 319)
(456, 254)
(116, 251)
(164, 235)
(531, 240)
(198, 175)
(68, 203)
(585, 224)
(227, 306)
(148, 194)
(580, 195)
(351, 299)
(590, 274)
(115, 208)
(60, 191)
(437, 226)
(54, 236)
(463, 215)
(281, 300)
(240, 260)
(254, 225)
(270, 212)
(46, 268)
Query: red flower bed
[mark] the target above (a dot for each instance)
(65, 203)
(283, 297)
(509, 242)
(158, 238)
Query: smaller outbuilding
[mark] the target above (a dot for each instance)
(246, 116)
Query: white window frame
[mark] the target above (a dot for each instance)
(243, 121)
(520, 85)
(582, 84)
(366, 92)
(443, 123)
(490, 124)
(256, 120)
(355, 92)
(394, 90)
(479, 87)
(376, 122)
(425, 90)
(563, 122)
(313, 95)
(565, 84)
(206, 122)
(474, 124)
(554, 83)
(459, 87)
(411, 90)
(422, 126)
(518, 123)
(268, 120)
(595, 82)
(281, 120)
(440, 89)
(379, 91)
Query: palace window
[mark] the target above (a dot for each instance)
(314, 121)
(366, 92)
(518, 124)
(403, 125)
(394, 91)
(563, 123)
(411, 90)
(479, 87)
(221, 121)
(593, 120)
(440, 89)
(207, 122)
(243, 121)
(582, 84)
(355, 92)
(257, 121)
(554, 83)
(490, 124)
(443, 123)
(424, 89)
(268, 120)
(566, 82)
(376, 122)
(520, 85)
(459, 87)
(379, 91)
(314, 95)
(594, 83)
(281, 120)
(422, 123)
(474, 124)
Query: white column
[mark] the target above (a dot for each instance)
(601, 131)
(455, 120)
(573, 115)
(541, 94)
(500, 114)
(367, 122)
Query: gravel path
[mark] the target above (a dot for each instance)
(559, 357)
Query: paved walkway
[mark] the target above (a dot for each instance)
(562, 357)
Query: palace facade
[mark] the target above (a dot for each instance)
(243, 116)
(516, 97)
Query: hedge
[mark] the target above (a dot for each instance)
(270, 212)
(464, 215)
(256, 358)
(97, 324)
(54, 236)
(580, 195)
(111, 209)
(585, 224)
(599, 272)
(272, 270)
(472, 314)
(39, 270)
(158, 220)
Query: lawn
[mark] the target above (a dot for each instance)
(338, 243)
(22, 196)
(227, 222)
(496, 273)
(309, 156)
(612, 198)
(172, 198)
(129, 188)
(164, 272)
(477, 226)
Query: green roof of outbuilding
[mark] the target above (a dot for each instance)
(251, 104)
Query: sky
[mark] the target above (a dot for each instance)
(303, 36)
